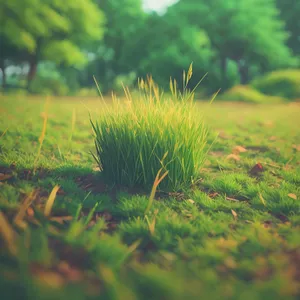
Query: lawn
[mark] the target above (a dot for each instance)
(66, 234)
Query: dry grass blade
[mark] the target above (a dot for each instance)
(18, 220)
(62, 219)
(8, 234)
(214, 96)
(50, 201)
(134, 246)
(4, 132)
(127, 92)
(43, 133)
(263, 201)
(171, 86)
(157, 181)
(232, 199)
(73, 127)
(106, 274)
(98, 87)
(190, 96)
(151, 225)
(234, 214)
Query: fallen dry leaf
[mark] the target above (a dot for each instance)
(234, 214)
(293, 196)
(216, 153)
(238, 149)
(213, 194)
(232, 199)
(69, 272)
(230, 262)
(256, 170)
(259, 148)
(233, 157)
(5, 176)
(61, 219)
(191, 201)
(30, 212)
(267, 224)
(296, 147)
(281, 217)
(224, 135)
(267, 123)
(61, 192)
(272, 138)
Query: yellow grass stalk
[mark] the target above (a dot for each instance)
(157, 181)
(98, 87)
(19, 218)
(43, 133)
(4, 132)
(72, 127)
(50, 201)
(214, 96)
(8, 234)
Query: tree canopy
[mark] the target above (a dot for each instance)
(233, 40)
(245, 31)
(290, 12)
(58, 31)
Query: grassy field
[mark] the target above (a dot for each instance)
(65, 234)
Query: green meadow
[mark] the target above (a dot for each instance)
(226, 230)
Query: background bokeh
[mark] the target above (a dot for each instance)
(55, 47)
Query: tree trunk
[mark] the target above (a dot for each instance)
(243, 71)
(32, 71)
(2, 68)
(223, 72)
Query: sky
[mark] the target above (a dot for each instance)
(157, 5)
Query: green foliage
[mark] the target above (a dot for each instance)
(47, 30)
(162, 58)
(112, 39)
(122, 81)
(245, 31)
(289, 12)
(87, 92)
(282, 83)
(247, 94)
(48, 86)
(40, 26)
(119, 51)
(136, 140)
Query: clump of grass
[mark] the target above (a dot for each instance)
(281, 83)
(152, 132)
(247, 94)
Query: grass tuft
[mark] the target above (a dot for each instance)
(137, 138)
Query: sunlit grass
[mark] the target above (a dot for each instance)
(232, 236)
(135, 139)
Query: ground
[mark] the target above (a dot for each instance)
(234, 235)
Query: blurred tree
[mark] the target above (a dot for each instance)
(8, 53)
(114, 55)
(146, 44)
(52, 30)
(245, 31)
(290, 13)
(166, 48)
